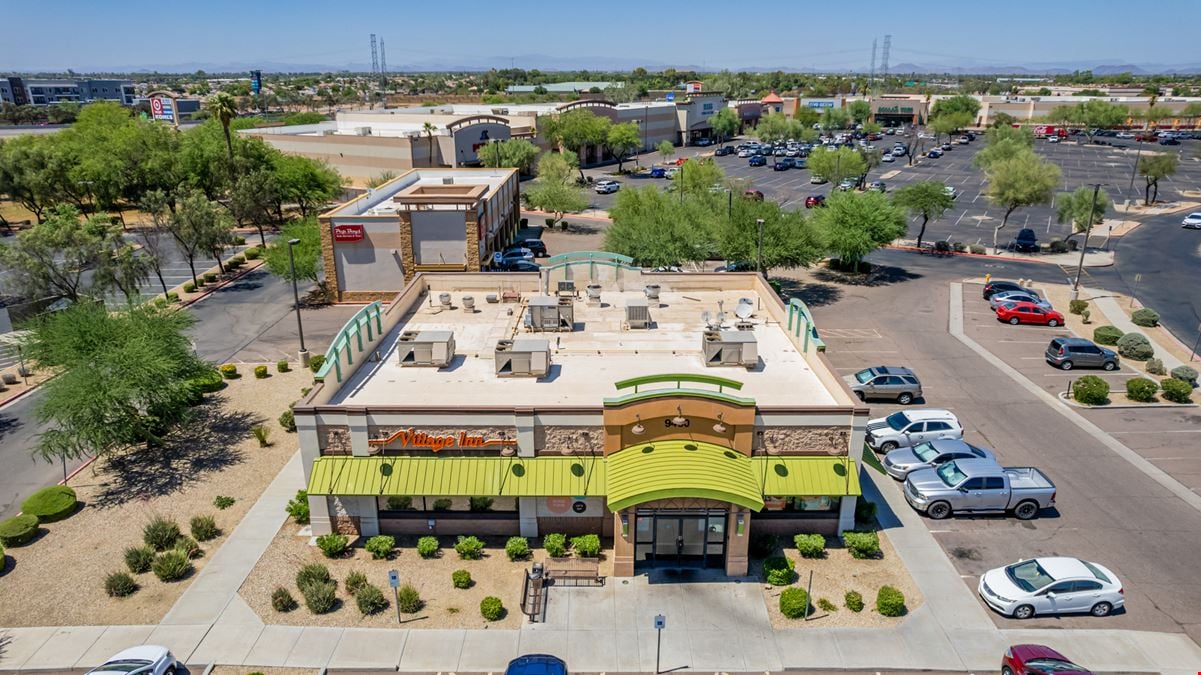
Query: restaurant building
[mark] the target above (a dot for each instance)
(676, 415)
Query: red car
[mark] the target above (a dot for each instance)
(815, 200)
(1028, 312)
(1038, 660)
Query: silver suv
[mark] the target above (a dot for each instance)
(1069, 352)
(907, 428)
(890, 382)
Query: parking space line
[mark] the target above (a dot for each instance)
(960, 217)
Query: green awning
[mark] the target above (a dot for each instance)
(807, 476)
(459, 476)
(681, 469)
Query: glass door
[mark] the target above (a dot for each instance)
(669, 540)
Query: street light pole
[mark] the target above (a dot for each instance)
(1092, 209)
(304, 353)
(759, 263)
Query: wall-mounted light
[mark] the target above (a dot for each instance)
(638, 429)
(719, 427)
(679, 420)
(741, 524)
(430, 524)
(625, 526)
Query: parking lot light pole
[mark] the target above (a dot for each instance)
(304, 353)
(759, 263)
(1092, 209)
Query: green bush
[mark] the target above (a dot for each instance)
(261, 434)
(1058, 246)
(794, 603)
(139, 559)
(209, 277)
(252, 253)
(370, 600)
(260, 373)
(208, 383)
(469, 548)
(778, 570)
(479, 504)
(239, 259)
(1077, 306)
(1141, 389)
(50, 504)
(853, 601)
(287, 420)
(427, 547)
(978, 249)
(172, 297)
(460, 579)
(229, 371)
(1176, 391)
(408, 599)
(171, 566)
(189, 287)
(517, 548)
(319, 596)
(555, 545)
(355, 581)
(298, 507)
(316, 362)
(826, 605)
(1182, 373)
(333, 545)
(119, 585)
(222, 502)
(810, 545)
(312, 573)
(239, 240)
(187, 547)
(1107, 335)
(1091, 390)
(862, 545)
(282, 600)
(281, 366)
(1145, 317)
(1085, 316)
(160, 534)
(586, 546)
(442, 504)
(1135, 346)
(1155, 367)
(865, 510)
(763, 545)
(890, 601)
(380, 546)
(204, 528)
(401, 503)
(491, 608)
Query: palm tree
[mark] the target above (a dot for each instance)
(429, 130)
(225, 107)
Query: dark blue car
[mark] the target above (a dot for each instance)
(536, 664)
(757, 160)
(658, 172)
(783, 164)
(1026, 241)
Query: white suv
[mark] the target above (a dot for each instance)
(605, 187)
(907, 428)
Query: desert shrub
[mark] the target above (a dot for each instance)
(400, 503)
(189, 287)
(460, 579)
(958, 246)
(50, 504)
(442, 504)
(119, 585)
(763, 545)
(239, 240)
(171, 566)
(1107, 335)
(810, 545)
(222, 502)
(862, 545)
(778, 570)
(469, 548)
(172, 297)
(1141, 389)
(261, 434)
(204, 528)
(890, 601)
(555, 545)
(586, 546)
(252, 253)
(208, 383)
(333, 545)
(1086, 315)
(312, 573)
(1176, 391)
(1135, 346)
(1059, 246)
(316, 362)
(794, 603)
(427, 547)
(1182, 373)
(139, 559)
(1145, 317)
(1155, 367)
(865, 510)
(480, 504)
(18, 530)
(187, 547)
(408, 599)
(550, 222)
(517, 548)
(260, 373)
(355, 581)
(853, 601)
(229, 371)
(978, 249)
(1077, 306)
(370, 600)
(239, 258)
(826, 605)
(281, 366)
(282, 600)
(209, 277)
(298, 507)
(287, 420)
(491, 608)
(380, 546)
(160, 533)
(319, 596)
(1090, 390)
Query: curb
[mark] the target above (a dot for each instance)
(987, 256)
(18, 395)
(211, 289)
(545, 214)
(1063, 396)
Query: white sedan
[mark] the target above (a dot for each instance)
(142, 660)
(1192, 221)
(1051, 586)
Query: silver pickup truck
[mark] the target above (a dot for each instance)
(979, 486)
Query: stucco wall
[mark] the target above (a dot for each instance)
(438, 237)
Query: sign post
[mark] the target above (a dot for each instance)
(162, 107)
(394, 582)
(660, 624)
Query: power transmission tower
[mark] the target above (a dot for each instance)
(871, 80)
(884, 58)
(383, 64)
(374, 56)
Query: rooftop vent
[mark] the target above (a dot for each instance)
(426, 348)
(548, 313)
(362, 131)
(638, 314)
(444, 300)
(522, 358)
(730, 348)
(448, 180)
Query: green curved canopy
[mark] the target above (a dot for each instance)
(681, 469)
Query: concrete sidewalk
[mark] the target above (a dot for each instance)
(1118, 318)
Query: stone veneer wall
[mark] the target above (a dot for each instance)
(333, 440)
(801, 441)
(580, 440)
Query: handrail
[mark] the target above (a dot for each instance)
(341, 342)
(801, 312)
(636, 382)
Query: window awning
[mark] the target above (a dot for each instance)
(807, 476)
(681, 469)
(459, 476)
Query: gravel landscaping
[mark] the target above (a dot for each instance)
(58, 579)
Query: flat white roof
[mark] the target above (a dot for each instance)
(378, 201)
(586, 362)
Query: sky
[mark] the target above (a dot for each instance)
(95, 35)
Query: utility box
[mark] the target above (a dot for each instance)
(730, 348)
(638, 313)
(435, 348)
(551, 314)
(522, 358)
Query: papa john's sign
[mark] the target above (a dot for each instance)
(347, 233)
(411, 438)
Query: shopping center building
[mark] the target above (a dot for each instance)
(676, 415)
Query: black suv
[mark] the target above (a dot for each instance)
(999, 286)
(1026, 241)
(536, 246)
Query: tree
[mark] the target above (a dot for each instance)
(854, 224)
(665, 150)
(428, 129)
(53, 258)
(1017, 182)
(789, 239)
(578, 129)
(656, 229)
(196, 226)
(514, 153)
(834, 119)
(725, 124)
(305, 182)
(256, 198)
(1079, 207)
(155, 205)
(555, 191)
(27, 174)
(1096, 115)
(807, 117)
(837, 165)
(126, 270)
(928, 199)
(961, 104)
(871, 159)
(125, 377)
(1152, 168)
(621, 140)
(1006, 148)
(947, 124)
(860, 110)
(224, 108)
(1002, 119)
(307, 253)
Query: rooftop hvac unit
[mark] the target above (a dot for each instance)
(362, 131)
(730, 348)
(547, 313)
(426, 348)
(522, 358)
(638, 313)
(448, 180)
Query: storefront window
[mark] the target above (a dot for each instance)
(793, 506)
(406, 504)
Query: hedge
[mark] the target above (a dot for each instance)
(862, 545)
(794, 603)
(1182, 373)
(890, 601)
(50, 504)
(810, 545)
(316, 362)
(19, 530)
(1141, 389)
(1135, 346)
(778, 570)
(287, 420)
(1091, 390)
(1107, 335)
(1176, 391)
(1145, 317)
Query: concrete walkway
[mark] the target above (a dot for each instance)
(1117, 317)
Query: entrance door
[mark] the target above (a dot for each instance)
(680, 538)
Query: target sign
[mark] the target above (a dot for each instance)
(162, 108)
